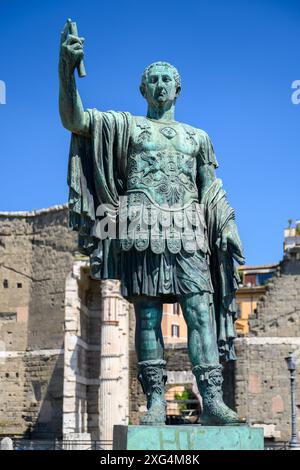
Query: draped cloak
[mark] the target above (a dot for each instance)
(97, 177)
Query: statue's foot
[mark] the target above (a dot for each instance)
(153, 379)
(155, 416)
(215, 412)
(220, 415)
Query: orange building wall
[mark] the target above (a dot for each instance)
(172, 315)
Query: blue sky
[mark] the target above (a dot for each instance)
(237, 60)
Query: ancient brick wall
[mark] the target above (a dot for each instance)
(50, 333)
(262, 386)
(278, 312)
(36, 254)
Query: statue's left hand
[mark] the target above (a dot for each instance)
(230, 242)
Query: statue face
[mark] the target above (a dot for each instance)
(160, 88)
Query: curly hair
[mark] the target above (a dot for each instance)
(164, 64)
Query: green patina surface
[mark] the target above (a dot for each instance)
(188, 438)
(167, 168)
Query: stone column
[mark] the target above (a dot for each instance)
(124, 363)
(74, 395)
(96, 396)
(113, 396)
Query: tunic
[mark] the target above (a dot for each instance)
(135, 158)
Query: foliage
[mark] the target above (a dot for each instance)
(185, 395)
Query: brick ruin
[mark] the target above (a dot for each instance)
(262, 388)
(36, 255)
(67, 361)
(63, 336)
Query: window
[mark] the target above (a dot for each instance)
(176, 309)
(19, 285)
(250, 280)
(5, 283)
(262, 278)
(175, 331)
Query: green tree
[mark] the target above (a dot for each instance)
(185, 395)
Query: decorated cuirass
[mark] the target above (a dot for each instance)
(162, 194)
(162, 162)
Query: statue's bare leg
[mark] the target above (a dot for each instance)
(202, 341)
(149, 343)
(204, 356)
(150, 350)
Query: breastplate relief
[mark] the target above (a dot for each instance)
(162, 163)
(168, 176)
(161, 208)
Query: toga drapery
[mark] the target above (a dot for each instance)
(97, 177)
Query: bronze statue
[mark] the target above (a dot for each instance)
(157, 177)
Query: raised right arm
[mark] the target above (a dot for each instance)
(72, 114)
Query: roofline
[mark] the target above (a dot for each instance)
(34, 213)
(257, 267)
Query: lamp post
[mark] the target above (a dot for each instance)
(294, 443)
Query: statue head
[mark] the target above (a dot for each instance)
(160, 84)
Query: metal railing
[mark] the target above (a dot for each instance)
(55, 444)
(276, 445)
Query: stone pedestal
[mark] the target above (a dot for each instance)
(188, 437)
